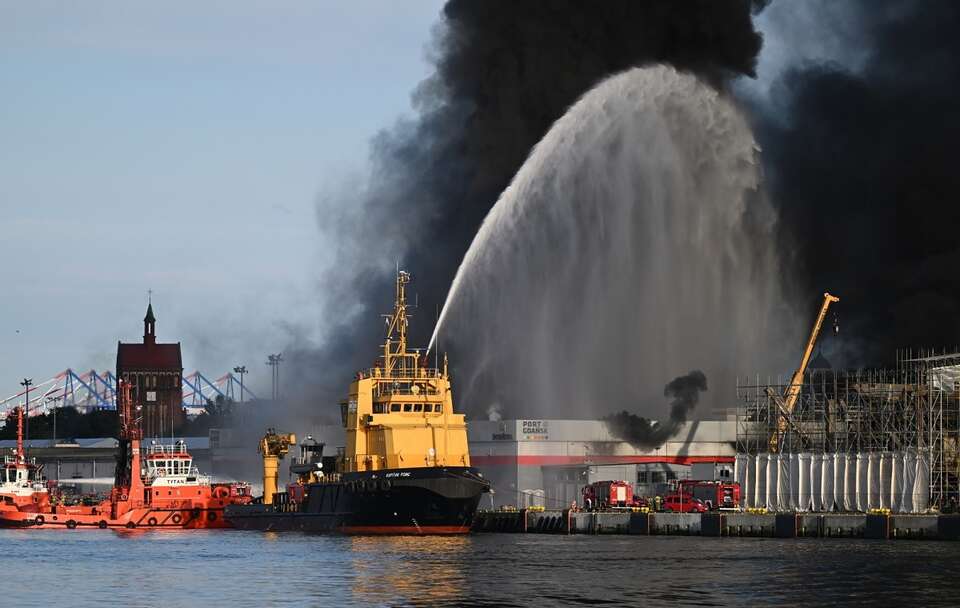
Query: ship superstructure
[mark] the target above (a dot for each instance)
(399, 413)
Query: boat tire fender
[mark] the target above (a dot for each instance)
(176, 518)
(131, 525)
(212, 516)
(102, 524)
(71, 524)
(385, 485)
(38, 520)
(195, 513)
(152, 521)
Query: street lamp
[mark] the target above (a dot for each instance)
(54, 401)
(240, 369)
(274, 362)
(26, 384)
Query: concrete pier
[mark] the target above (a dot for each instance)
(779, 525)
(677, 524)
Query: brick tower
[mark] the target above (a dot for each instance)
(155, 374)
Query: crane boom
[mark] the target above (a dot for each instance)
(789, 399)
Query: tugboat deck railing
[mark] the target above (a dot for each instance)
(177, 448)
(421, 373)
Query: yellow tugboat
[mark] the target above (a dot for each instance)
(406, 465)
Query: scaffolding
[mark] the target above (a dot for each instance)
(913, 407)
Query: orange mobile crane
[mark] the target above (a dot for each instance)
(788, 401)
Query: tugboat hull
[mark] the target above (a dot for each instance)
(143, 518)
(440, 500)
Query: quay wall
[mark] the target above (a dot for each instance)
(771, 525)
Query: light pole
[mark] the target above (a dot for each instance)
(26, 384)
(274, 362)
(54, 401)
(273, 376)
(241, 370)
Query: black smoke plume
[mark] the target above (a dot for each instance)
(504, 72)
(863, 165)
(644, 434)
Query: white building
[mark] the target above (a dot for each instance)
(547, 462)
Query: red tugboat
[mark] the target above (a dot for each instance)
(21, 480)
(164, 491)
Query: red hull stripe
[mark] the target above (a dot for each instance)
(405, 529)
(593, 460)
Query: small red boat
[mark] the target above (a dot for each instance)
(22, 485)
(159, 490)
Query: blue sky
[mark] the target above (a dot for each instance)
(180, 147)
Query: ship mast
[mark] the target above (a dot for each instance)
(127, 483)
(129, 425)
(396, 360)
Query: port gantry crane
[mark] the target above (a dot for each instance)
(788, 401)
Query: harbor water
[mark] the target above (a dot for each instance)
(234, 568)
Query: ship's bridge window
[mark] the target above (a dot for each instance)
(427, 407)
(379, 408)
(407, 407)
(417, 407)
(439, 408)
(395, 407)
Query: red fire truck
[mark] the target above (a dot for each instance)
(609, 495)
(714, 494)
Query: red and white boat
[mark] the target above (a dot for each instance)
(161, 489)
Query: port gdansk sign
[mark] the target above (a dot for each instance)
(527, 430)
(534, 430)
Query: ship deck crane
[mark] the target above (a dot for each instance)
(273, 446)
(788, 401)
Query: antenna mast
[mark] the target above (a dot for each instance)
(395, 347)
(21, 458)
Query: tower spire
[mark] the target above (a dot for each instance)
(149, 322)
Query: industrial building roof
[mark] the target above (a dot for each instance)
(193, 443)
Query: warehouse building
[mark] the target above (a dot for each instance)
(547, 462)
